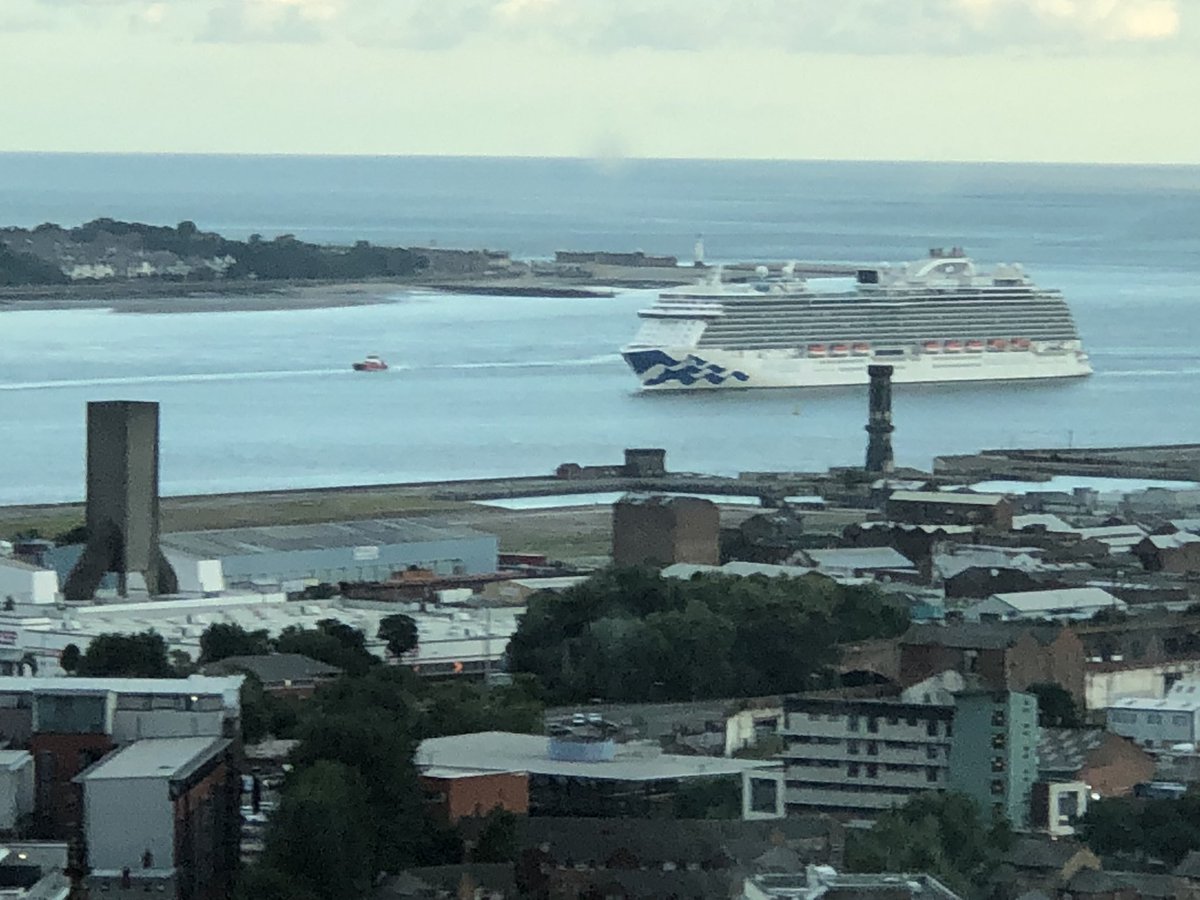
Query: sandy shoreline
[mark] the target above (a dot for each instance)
(224, 298)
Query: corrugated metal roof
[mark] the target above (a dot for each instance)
(946, 497)
(1059, 599)
(859, 558)
(273, 539)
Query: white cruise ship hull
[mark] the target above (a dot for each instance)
(705, 368)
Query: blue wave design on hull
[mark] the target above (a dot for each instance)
(687, 372)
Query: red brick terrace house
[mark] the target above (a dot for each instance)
(1107, 763)
(1008, 656)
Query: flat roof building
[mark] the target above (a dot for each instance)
(604, 778)
(367, 550)
(168, 805)
(1060, 603)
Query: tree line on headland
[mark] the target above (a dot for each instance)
(111, 250)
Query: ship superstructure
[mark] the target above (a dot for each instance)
(937, 319)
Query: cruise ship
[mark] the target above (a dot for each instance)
(938, 319)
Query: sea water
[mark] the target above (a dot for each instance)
(483, 386)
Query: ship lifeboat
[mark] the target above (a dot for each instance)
(370, 364)
(974, 346)
(839, 349)
(953, 346)
(931, 347)
(861, 349)
(1020, 343)
(997, 345)
(816, 349)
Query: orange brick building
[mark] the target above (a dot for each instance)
(455, 794)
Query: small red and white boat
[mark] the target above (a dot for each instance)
(371, 364)
(974, 346)
(1020, 343)
(861, 349)
(997, 344)
(932, 347)
(816, 349)
(953, 346)
(839, 350)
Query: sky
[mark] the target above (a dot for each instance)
(1106, 81)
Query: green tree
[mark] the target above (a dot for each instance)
(330, 642)
(399, 632)
(259, 882)
(1056, 706)
(632, 635)
(941, 834)
(497, 839)
(69, 658)
(221, 641)
(142, 655)
(321, 835)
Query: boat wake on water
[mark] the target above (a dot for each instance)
(166, 378)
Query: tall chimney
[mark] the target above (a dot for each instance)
(879, 420)
(122, 501)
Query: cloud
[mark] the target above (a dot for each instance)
(287, 21)
(859, 27)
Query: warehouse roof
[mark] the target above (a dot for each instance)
(501, 751)
(859, 558)
(279, 538)
(1172, 541)
(946, 497)
(1061, 599)
(170, 758)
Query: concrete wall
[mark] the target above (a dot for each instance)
(16, 791)
(125, 817)
(27, 585)
(1155, 728)
(993, 756)
(131, 725)
(1105, 685)
(197, 576)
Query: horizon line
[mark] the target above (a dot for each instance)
(609, 161)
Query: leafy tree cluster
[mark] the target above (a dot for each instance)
(940, 834)
(1145, 830)
(141, 655)
(331, 642)
(284, 257)
(355, 764)
(1056, 707)
(17, 267)
(631, 635)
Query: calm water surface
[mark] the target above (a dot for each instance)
(491, 386)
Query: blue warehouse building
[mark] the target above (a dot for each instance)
(367, 550)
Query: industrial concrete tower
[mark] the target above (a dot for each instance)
(879, 420)
(122, 501)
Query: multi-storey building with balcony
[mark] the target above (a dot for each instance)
(862, 756)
